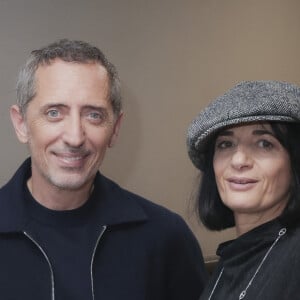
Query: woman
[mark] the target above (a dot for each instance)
(247, 145)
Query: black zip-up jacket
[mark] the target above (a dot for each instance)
(143, 250)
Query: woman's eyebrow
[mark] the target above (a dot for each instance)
(226, 133)
(262, 132)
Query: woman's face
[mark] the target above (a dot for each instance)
(252, 170)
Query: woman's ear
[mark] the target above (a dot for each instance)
(19, 123)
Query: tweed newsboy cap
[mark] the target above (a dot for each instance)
(248, 101)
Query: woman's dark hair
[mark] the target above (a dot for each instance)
(216, 216)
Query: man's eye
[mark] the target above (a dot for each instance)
(53, 113)
(95, 115)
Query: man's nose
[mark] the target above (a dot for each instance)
(74, 132)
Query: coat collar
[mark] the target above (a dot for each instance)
(116, 206)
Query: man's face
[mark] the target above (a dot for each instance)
(68, 125)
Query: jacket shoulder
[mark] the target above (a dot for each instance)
(155, 213)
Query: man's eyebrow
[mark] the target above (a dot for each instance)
(61, 105)
(49, 105)
(100, 108)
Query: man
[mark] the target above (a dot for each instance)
(66, 231)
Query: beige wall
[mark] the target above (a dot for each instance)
(174, 57)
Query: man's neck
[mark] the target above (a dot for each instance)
(60, 199)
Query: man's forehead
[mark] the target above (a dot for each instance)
(57, 63)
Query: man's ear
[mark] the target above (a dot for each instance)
(116, 130)
(19, 123)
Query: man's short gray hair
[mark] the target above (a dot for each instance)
(69, 51)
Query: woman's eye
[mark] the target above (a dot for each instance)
(224, 144)
(265, 144)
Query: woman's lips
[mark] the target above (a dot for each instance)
(241, 184)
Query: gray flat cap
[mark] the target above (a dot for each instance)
(248, 101)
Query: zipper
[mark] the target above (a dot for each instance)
(48, 261)
(104, 227)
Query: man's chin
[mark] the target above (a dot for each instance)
(69, 184)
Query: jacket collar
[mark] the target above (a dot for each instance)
(116, 206)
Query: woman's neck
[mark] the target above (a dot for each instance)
(245, 222)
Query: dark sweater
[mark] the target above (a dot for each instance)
(68, 238)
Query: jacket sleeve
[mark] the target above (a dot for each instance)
(186, 272)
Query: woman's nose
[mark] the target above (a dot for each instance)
(241, 158)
